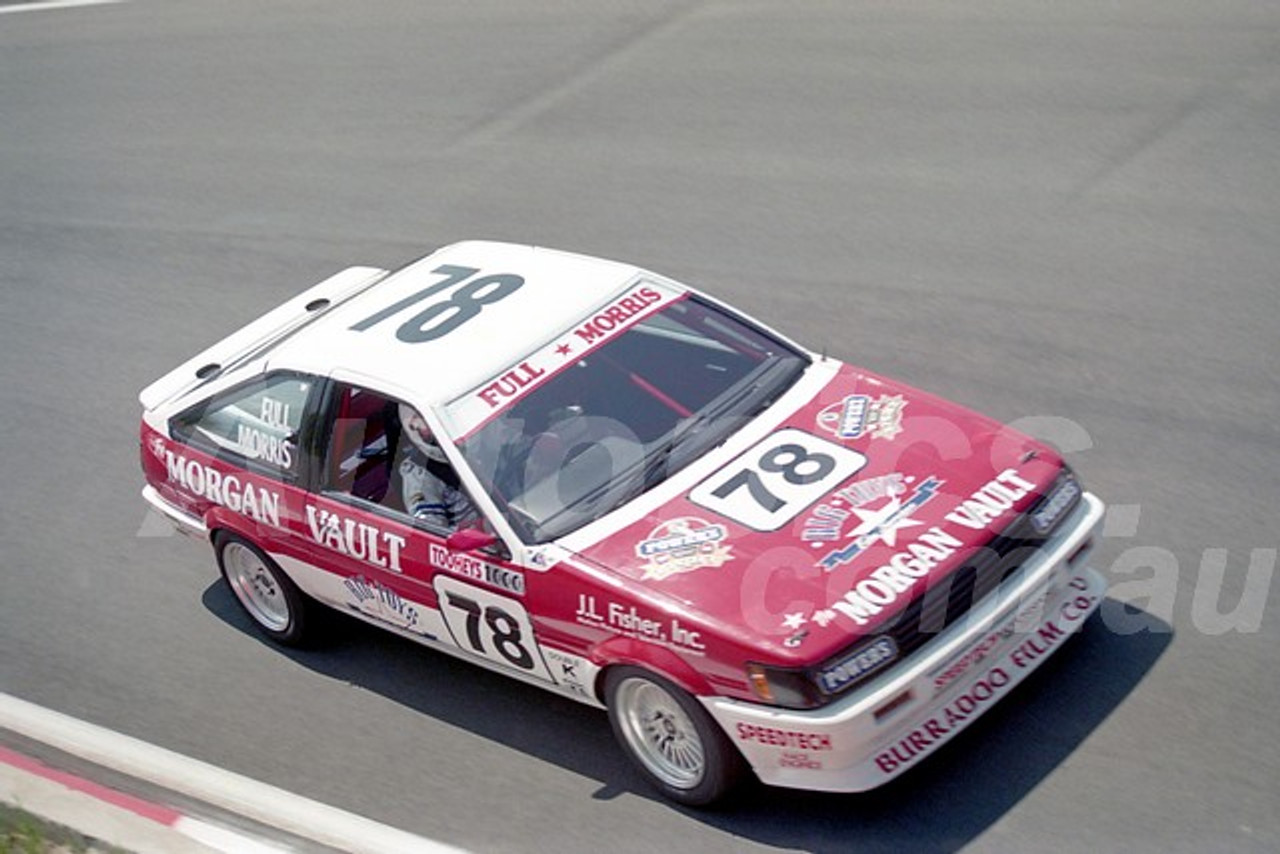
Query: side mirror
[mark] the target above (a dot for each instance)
(469, 540)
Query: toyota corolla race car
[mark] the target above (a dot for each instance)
(593, 478)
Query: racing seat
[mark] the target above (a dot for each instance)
(365, 434)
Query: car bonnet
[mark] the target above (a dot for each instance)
(928, 484)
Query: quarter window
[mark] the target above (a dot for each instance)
(258, 422)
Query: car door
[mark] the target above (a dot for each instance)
(392, 568)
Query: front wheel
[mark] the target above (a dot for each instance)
(267, 595)
(670, 737)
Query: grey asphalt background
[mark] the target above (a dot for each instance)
(1067, 212)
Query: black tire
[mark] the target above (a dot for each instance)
(669, 736)
(277, 607)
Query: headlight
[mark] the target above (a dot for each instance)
(807, 689)
(777, 686)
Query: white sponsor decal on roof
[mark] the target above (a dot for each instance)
(476, 407)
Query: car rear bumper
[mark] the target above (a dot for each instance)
(183, 521)
(888, 726)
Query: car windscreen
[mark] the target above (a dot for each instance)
(627, 415)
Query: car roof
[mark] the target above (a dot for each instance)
(557, 289)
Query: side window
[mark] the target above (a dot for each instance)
(383, 453)
(258, 422)
(362, 447)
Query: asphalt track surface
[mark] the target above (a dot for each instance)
(1064, 214)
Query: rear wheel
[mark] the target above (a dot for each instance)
(671, 738)
(267, 595)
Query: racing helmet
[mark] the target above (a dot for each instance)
(419, 433)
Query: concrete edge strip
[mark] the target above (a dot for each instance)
(210, 784)
(42, 5)
(223, 839)
(150, 811)
(103, 814)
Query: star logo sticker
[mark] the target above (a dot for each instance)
(883, 524)
(794, 621)
(823, 617)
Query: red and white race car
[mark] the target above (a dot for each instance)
(593, 478)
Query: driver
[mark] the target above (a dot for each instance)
(429, 484)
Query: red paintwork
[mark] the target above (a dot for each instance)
(774, 573)
(732, 613)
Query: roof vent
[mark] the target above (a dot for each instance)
(208, 370)
(317, 304)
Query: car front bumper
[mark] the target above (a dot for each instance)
(889, 725)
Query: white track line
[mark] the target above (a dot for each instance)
(53, 4)
(209, 784)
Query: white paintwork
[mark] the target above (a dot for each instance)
(559, 289)
(261, 333)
